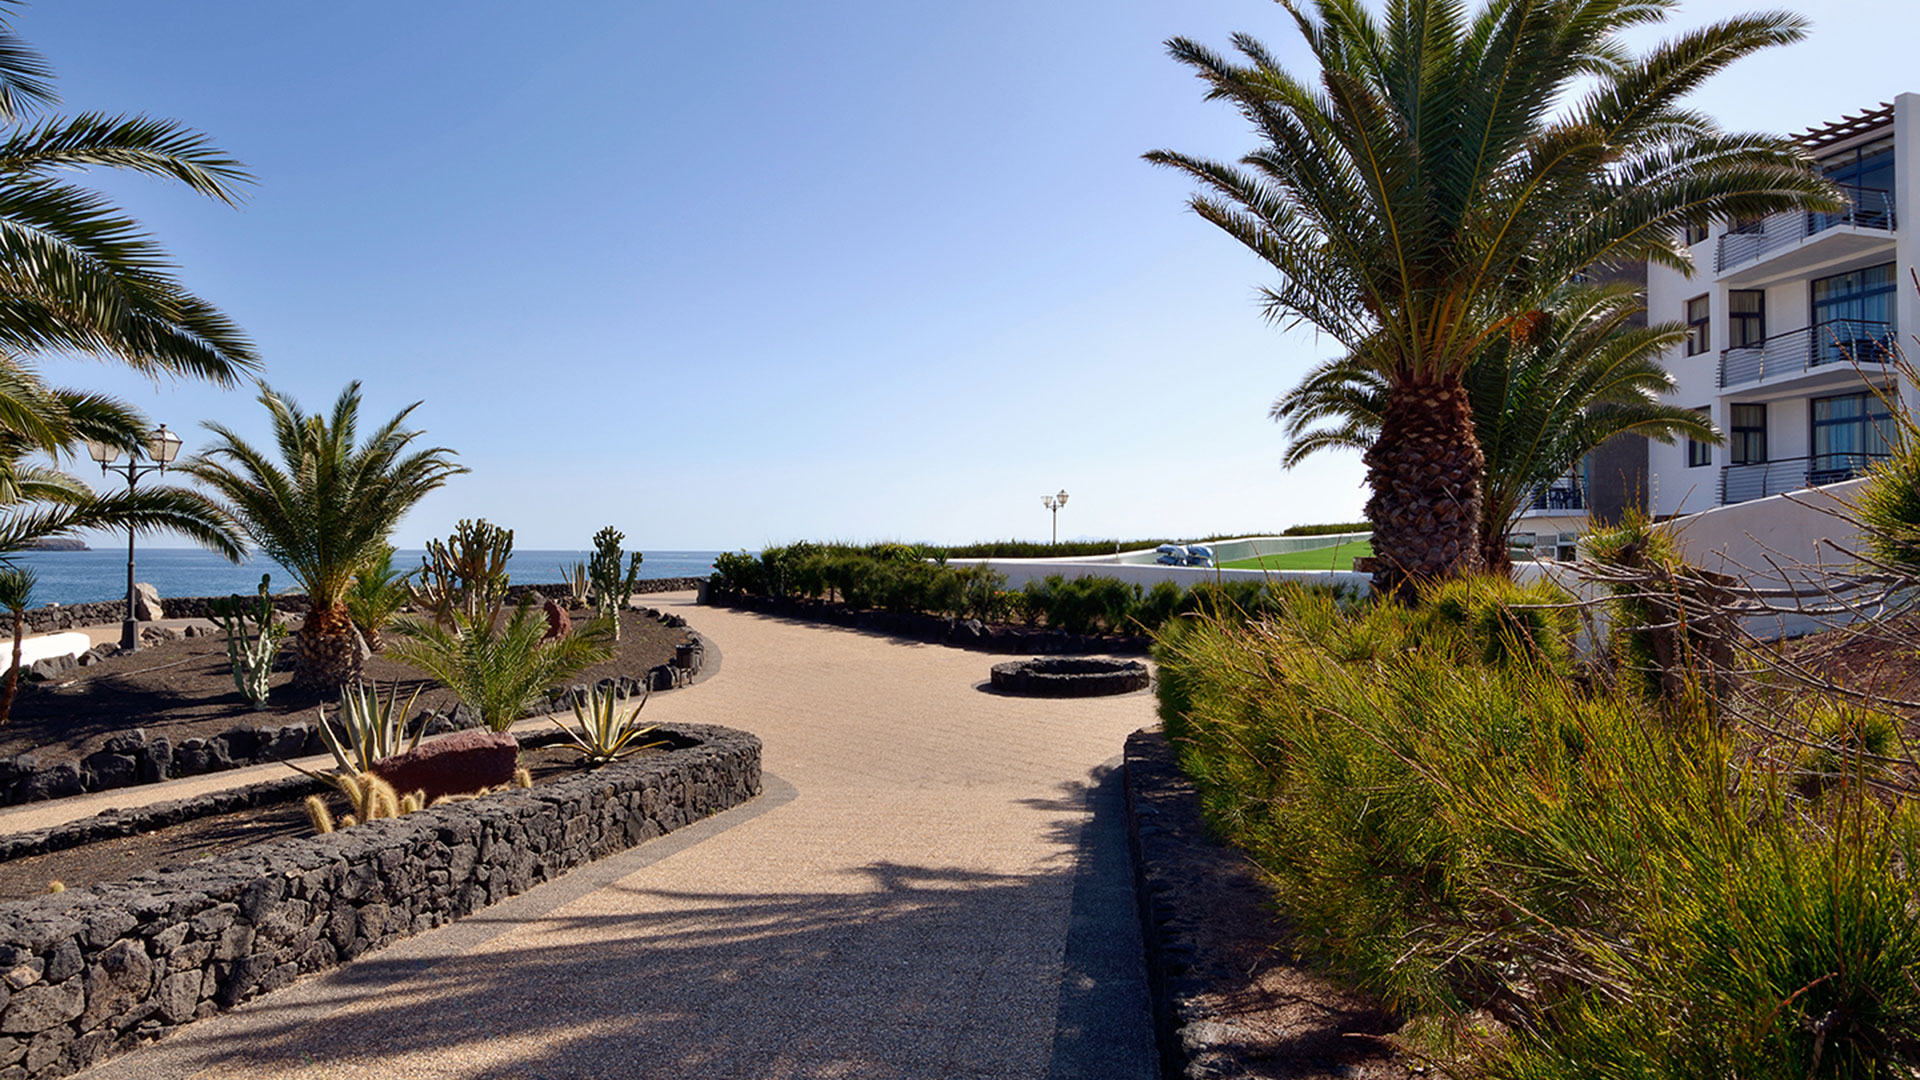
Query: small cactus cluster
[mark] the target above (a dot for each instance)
(464, 574)
(371, 798)
(251, 655)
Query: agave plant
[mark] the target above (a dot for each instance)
(375, 729)
(603, 737)
(574, 576)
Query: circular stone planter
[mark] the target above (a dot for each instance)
(1060, 676)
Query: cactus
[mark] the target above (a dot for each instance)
(610, 588)
(251, 656)
(466, 573)
(522, 778)
(319, 816)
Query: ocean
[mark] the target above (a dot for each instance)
(77, 577)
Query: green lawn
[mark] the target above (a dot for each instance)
(1338, 557)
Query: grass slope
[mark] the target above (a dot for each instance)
(1337, 557)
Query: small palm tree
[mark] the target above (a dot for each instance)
(377, 594)
(1583, 375)
(16, 594)
(323, 510)
(1443, 173)
(500, 666)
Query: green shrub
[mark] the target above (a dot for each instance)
(1504, 622)
(1455, 831)
(1338, 529)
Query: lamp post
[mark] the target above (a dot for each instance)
(162, 447)
(1054, 503)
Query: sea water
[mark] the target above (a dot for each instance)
(77, 577)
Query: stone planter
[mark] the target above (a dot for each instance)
(89, 972)
(1062, 676)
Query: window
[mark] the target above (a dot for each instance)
(1849, 432)
(1699, 326)
(1693, 234)
(1699, 453)
(1853, 316)
(1746, 318)
(1748, 446)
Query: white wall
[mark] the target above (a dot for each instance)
(1147, 575)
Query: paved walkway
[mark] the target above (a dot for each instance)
(933, 885)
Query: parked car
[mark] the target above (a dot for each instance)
(1171, 555)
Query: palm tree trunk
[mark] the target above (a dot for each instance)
(330, 651)
(12, 684)
(1425, 471)
(1496, 554)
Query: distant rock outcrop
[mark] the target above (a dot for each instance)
(56, 543)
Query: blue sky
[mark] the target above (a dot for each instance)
(732, 273)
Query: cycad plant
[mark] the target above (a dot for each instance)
(500, 664)
(323, 509)
(1543, 399)
(1443, 173)
(16, 594)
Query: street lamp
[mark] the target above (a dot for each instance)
(162, 447)
(1054, 503)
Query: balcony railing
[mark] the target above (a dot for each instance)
(1868, 208)
(1740, 483)
(1559, 496)
(1836, 341)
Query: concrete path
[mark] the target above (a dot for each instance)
(933, 885)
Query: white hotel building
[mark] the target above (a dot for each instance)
(1790, 320)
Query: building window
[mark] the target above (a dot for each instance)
(1853, 316)
(1746, 318)
(1849, 432)
(1699, 326)
(1699, 453)
(1693, 234)
(1748, 442)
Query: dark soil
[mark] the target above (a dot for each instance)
(184, 689)
(207, 837)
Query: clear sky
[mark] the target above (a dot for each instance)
(729, 273)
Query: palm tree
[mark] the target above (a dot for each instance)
(1540, 403)
(77, 274)
(16, 592)
(1444, 175)
(500, 667)
(377, 594)
(323, 510)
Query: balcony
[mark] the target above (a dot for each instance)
(1869, 211)
(1836, 341)
(1741, 483)
(1558, 497)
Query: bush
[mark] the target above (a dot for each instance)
(1328, 530)
(1456, 831)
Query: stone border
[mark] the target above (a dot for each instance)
(1062, 676)
(935, 629)
(131, 757)
(91, 972)
(1207, 919)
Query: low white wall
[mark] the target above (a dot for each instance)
(1756, 540)
(1020, 571)
(43, 646)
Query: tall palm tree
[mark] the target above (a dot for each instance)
(323, 510)
(1542, 401)
(16, 592)
(77, 274)
(1448, 171)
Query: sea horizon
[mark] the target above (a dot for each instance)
(97, 574)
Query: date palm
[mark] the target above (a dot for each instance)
(323, 510)
(1542, 401)
(16, 593)
(1443, 174)
(77, 274)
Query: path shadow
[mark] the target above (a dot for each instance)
(897, 971)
